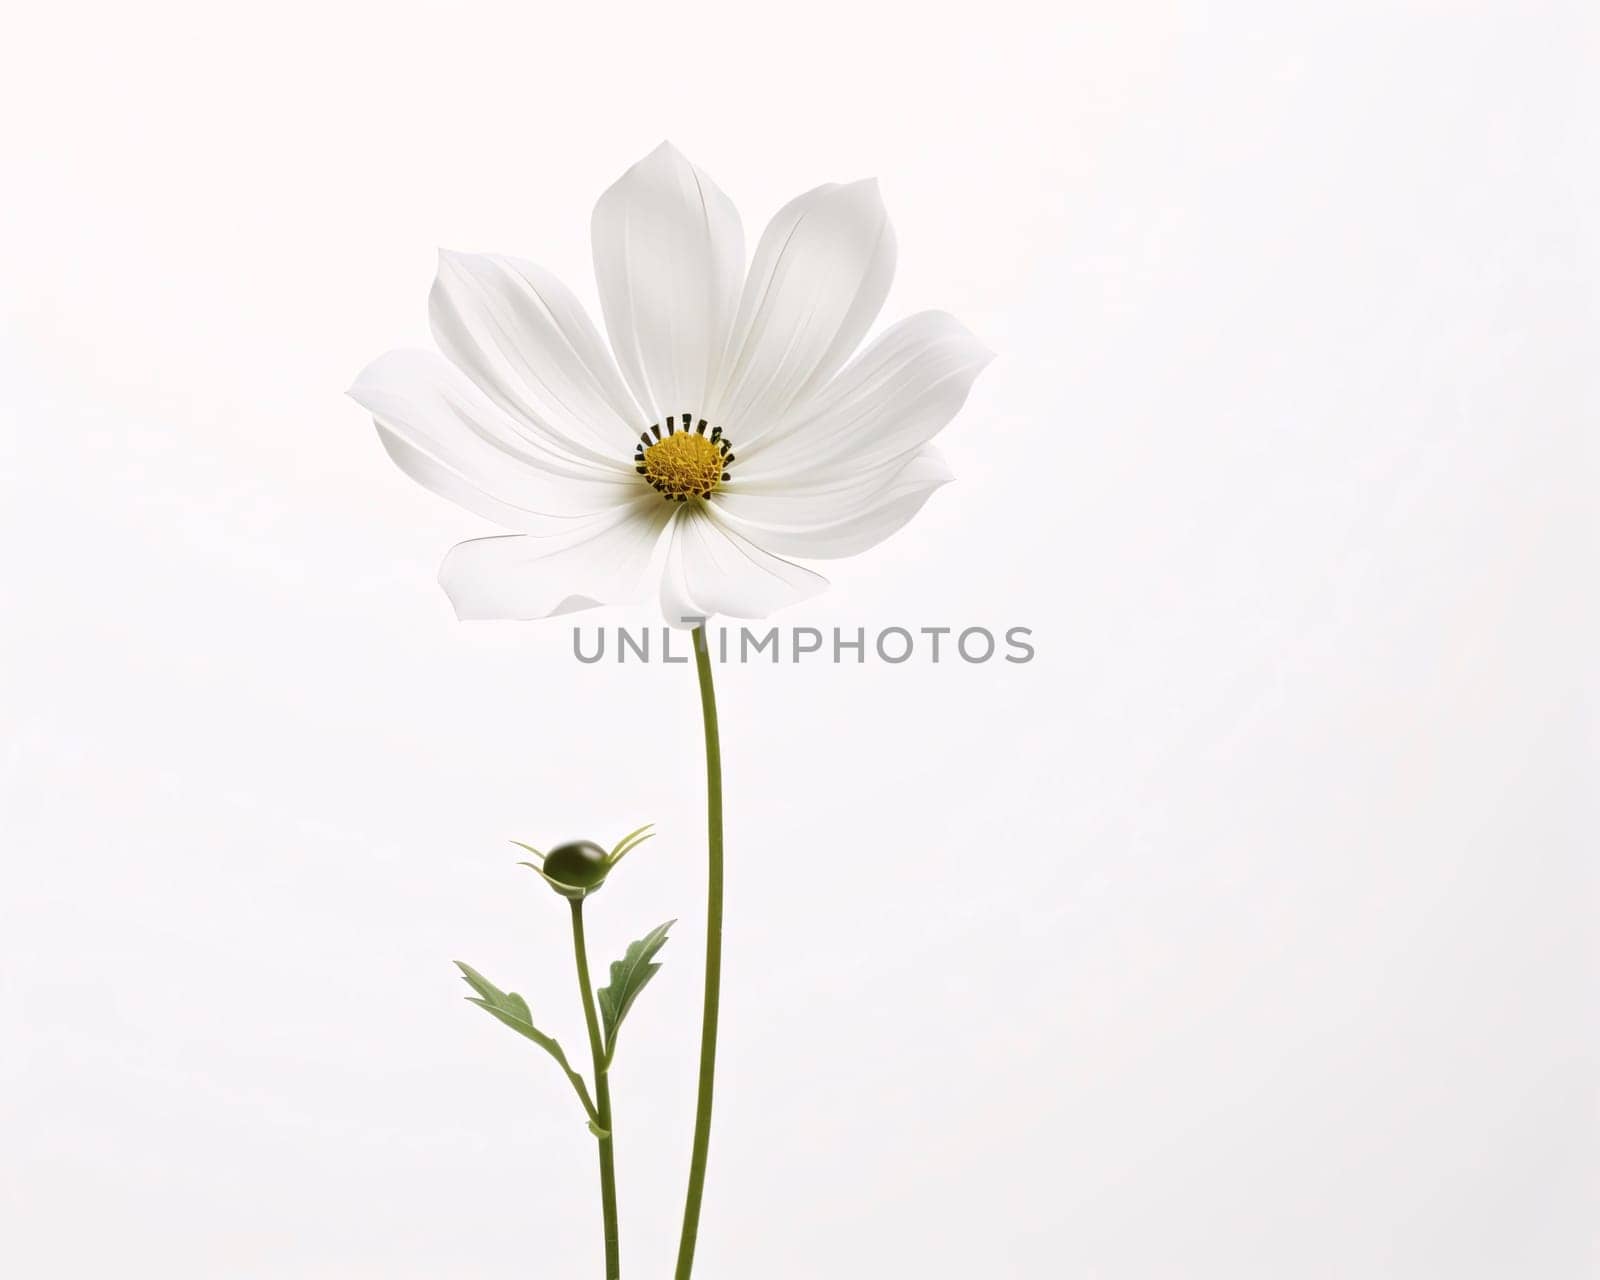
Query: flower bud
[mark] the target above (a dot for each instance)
(582, 865)
(577, 869)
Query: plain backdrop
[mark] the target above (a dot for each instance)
(1246, 932)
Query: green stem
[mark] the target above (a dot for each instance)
(602, 1098)
(708, 1024)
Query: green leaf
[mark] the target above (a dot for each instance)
(512, 1009)
(628, 978)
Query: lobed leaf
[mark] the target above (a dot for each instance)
(511, 1009)
(629, 976)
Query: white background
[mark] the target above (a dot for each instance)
(1247, 932)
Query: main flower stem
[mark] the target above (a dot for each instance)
(602, 1098)
(708, 1023)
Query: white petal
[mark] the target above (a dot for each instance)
(819, 277)
(524, 339)
(603, 561)
(827, 519)
(450, 438)
(891, 400)
(711, 569)
(668, 256)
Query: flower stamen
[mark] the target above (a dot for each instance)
(684, 463)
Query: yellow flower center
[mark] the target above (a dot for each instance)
(685, 463)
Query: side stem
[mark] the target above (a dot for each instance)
(708, 1023)
(602, 1098)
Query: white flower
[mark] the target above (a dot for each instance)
(734, 433)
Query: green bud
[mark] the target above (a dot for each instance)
(582, 864)
(577, 869)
